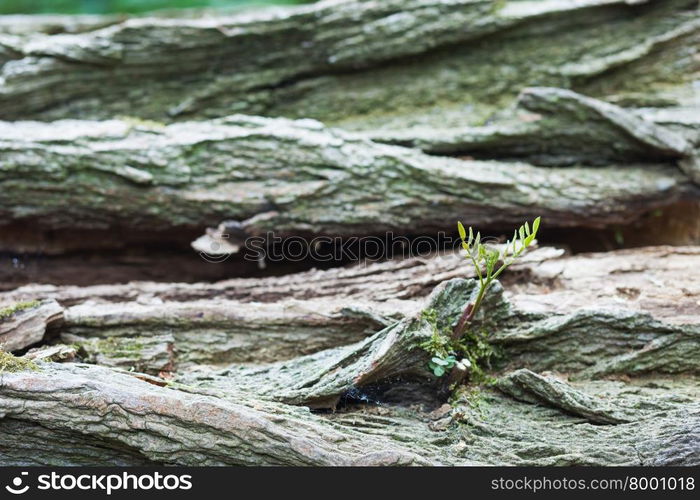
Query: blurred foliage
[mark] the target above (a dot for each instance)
(123, 6)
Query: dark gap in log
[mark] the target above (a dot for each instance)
(403, 392)
(168, 257)
(134, 264)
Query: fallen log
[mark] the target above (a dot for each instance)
(108, 417)
(294, 178)
(121, 418)
(636, 312)
(440, 63)
(591, 359)
(648, 418)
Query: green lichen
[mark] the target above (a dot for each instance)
(119, 348)
(10, 363)
(445, 352)
(8, 311)
(438, 344)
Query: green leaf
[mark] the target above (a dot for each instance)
(527, 228)
(439, 371)
(521, 232)
(536, 225)
(462, 232)
(471, 236)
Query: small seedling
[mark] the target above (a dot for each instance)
(489, 262)
(462, 351)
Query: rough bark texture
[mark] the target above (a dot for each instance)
(294, 177)
(437, 61)
(450, 75)
(555, 127)
(353, 117)
(219, 332)
(25, 324)
(245, 414)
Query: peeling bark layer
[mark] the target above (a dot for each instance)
(555, 127)
(26, 323)
(216, 332)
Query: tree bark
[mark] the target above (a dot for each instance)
(627, 362)
(440, 63)
(352, 118)
(295, 178)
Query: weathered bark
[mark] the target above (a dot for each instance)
(656, 287)
(94, 415)
(554, 127)
(216, 332)
(57, 352)
(663, 430)
(320, 380)
(594, 342)
(597, 355)
(434, 58)
(450, 73)
(25, 324)
(630, 318)
(116, 411)
(295, 177)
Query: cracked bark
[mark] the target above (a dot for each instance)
(649, 416)
(603, 345)
(433, 58)
(299, 177)
(198, 173)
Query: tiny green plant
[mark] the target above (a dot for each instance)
(441, 365)
(490, 262)
(467, 350)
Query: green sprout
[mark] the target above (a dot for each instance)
(489, 262)
(462, 351)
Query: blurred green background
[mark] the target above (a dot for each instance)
(123, 6)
